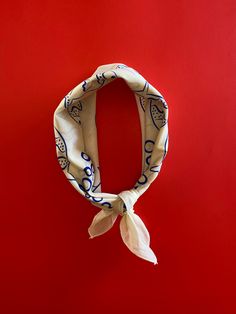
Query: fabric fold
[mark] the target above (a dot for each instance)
(102, 222)
(136, 237)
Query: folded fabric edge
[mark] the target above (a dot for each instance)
(102, 222)
(136, 237)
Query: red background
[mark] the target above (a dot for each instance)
(186, 49)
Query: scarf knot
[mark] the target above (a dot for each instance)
(127, 200)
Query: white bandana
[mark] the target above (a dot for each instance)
(77, 152)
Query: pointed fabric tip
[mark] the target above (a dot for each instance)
(136, 237)
(102, 222)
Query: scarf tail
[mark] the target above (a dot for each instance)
(133, 232)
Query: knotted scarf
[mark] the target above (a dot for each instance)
(77, 152)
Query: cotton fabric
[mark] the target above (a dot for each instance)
(77, 152)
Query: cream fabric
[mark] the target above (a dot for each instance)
(77, 152)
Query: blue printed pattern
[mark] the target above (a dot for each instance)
(62, 156)
(93, 84)
(148, 148)
(86, 183)
(157, 111)
(62, 151)
(74, 107)
(142, 102)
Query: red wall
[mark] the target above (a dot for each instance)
(186, 49)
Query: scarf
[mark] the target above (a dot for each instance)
(77, 152)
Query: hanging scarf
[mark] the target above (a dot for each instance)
(77, 152)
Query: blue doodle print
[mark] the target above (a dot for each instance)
(148, 159)
(60, 144)
(157, 114)
(100, 78)
(148, 147)
(106, 204)
(68, 100)
(145, 94)
(84, 86)
(73, 106)
(142, 103)
(165, 147)
(162, 100)
(87, 182)
(143, 179)
(88, 171)
(96, 186)
(97, 199)
(74, 112)
(85, 156)
(73, 102)
(86, 187)
(63, 161)
(155, 169)
(121, 66)
(142, 92)
(90, 85)
(93, 198)
(114, 75)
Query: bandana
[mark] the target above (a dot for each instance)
(77, 152)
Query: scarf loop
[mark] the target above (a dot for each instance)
(77, 152)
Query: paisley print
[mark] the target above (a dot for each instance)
(63, 161)
(157, 113)
(60, 144)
